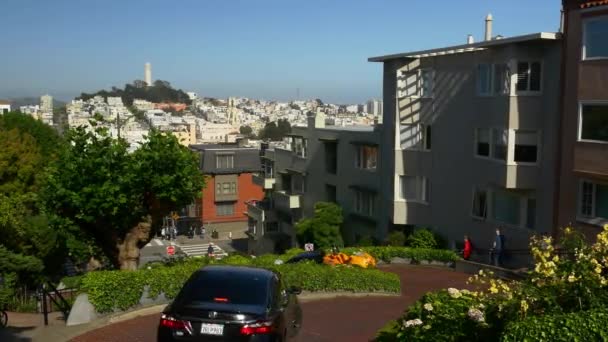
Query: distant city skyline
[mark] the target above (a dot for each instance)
(271, 50)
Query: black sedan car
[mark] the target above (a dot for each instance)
(232, 303)
(316, 256)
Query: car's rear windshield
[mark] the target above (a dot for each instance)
(226, 287)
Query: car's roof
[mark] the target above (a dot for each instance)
(242, 270)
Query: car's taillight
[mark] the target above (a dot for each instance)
(257, 328)
(173, 323)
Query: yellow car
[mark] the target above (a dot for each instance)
(360, 259)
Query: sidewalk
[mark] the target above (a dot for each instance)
(30, 327)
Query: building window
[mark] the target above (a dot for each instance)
(415, 188)
(593, 123)
(407, 84)
(426, 137)
(226, 188)
(593, 200)
(298, 184)
(367, 157)
(331, 157)
(299, 146)
(528, 76)
(480, 203)
(484, 79)
(514, 208)
(224, 209)
(595, 44)
(330, 193)
(364, 202)
(501, 79)
(426, 82)
(483, 142)
(224, 161)
(499, 148)
(506, 207)
(526, 149)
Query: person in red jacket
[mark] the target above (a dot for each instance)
(468, 248)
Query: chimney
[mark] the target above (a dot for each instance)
(470, 39)
(489, 27)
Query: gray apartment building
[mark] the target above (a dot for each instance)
(319, 163)
(470, 137)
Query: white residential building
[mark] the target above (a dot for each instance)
(46, 104)
(5, 107)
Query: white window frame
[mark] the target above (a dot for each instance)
(492, 77)
(359, 194)
(512, 133)
(580, 120)
(431, 74)
(489, 131)
(516, 74)
(523, 210)
(230, 162)
(477, 189)
(592, 219)
(224, 205)
(490, 81)
(418, 82)
(584, 40)
(359, 157)
(423, 189)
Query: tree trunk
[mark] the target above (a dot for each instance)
(128, 248)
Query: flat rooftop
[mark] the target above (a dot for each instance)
(464, 48)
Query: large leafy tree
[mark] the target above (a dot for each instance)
(323, 229)
(117, 198)
(29, 246)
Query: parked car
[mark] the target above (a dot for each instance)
(232, 303)
(316, 256)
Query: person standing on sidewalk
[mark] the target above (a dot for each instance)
(203, 232)
(468, 248)
(498, 248)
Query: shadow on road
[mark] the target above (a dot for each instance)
(13, 334)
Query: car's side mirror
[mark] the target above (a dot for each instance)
(294, 290)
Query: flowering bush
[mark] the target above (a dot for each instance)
(569, 279)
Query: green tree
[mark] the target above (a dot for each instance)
(115, 198)
(323, 229)
(246, 130)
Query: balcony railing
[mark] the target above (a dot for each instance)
(286, 201)
(264, 181)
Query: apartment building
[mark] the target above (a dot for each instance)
(229, 169)
(583, 178)
(5, 107)
(471, 137)
(319, 164)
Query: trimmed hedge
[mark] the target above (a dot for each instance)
(416, 254)
(118, 290)
(576, 326)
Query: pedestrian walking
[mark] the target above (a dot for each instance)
(210, 251)
(203, 232)
(230, 235)
(468, 248)
(498, 248)
(163, 233)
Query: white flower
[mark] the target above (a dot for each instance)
(428, 307)
(476, 315)
(454, 293)
(412, 322)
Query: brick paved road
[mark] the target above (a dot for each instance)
(339, 319)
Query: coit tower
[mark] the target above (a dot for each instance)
(148, 74)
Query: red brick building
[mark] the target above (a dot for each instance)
(229, 169)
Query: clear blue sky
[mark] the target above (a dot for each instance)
(253, 48)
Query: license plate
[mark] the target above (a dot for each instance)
(212, 329)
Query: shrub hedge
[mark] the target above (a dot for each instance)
(118, 290)
(576, 326)
(416, 254)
